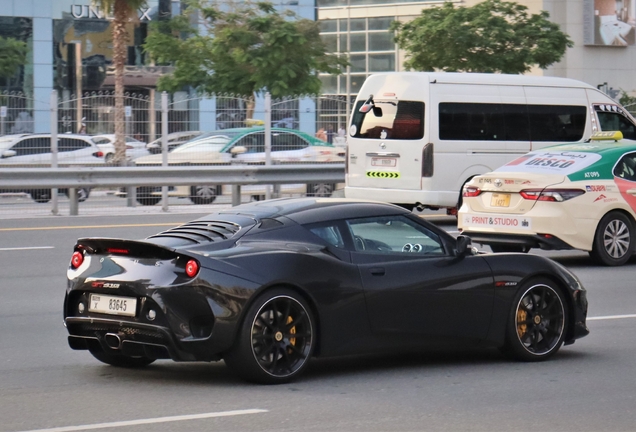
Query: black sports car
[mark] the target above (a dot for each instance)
(266, 286)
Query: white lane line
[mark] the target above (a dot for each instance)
(610, 317)
(150, 421)
(27, 248)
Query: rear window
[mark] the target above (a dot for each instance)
(389, 120)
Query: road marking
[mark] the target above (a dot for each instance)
(90, 226)
(610, 317)
(151, 421)
(27, 248)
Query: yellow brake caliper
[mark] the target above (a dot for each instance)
(521, 328)
(292, 331)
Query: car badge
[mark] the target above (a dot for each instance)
(383, 146)
(498, 183)
(383, 134)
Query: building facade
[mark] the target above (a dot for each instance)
(603, 31)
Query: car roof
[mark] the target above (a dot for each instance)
(310, 210)
(604, 148)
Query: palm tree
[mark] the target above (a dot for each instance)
(123, 12)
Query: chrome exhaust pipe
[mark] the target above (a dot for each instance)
(112, 340)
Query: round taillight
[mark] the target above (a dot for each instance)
(192, 268)
(77, 259)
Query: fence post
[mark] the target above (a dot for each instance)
(268, 139)
(164, 146)
(54, 114)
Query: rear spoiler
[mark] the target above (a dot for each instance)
(112, 246)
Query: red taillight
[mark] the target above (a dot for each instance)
(552, 195)
(77, 259)
(98, 154)
(192, 268)
(470, 192)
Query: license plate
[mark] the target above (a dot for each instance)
(385, 162)
(113, 305)
(500, 200)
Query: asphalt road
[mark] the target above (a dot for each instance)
(45, 386)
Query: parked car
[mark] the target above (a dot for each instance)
(175, 139)
(267, 286)
(571, 196)
(31, 150)
(134, 147)
(242, 145)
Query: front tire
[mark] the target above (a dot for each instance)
(537, 322)
(614, 240)
(41, 195)
(276, 339)
(118, 360)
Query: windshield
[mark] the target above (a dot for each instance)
(211, 144)
(388, 120)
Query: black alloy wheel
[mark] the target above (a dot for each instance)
(276, 339)
(114, 358)
(537, 322)
(614, 240)
(203, 194)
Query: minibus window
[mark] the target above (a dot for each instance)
(611, 120)
(389, 120)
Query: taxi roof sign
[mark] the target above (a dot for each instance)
(607, 136)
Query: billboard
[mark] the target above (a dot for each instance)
(609, 22)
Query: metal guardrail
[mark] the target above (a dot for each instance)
(73, 178)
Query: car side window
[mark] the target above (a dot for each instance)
(626, 167)
(615, 121)
(72, 144)
(282, 141)
(329, 233)
(254, 142)
(31, 146)
(395, 235)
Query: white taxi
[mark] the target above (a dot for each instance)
(571, 196)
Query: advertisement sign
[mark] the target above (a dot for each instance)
(609, 22)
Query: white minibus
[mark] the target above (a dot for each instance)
(415, 138)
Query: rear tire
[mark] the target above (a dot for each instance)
(614, 240)
(275, 340)
(203, 194)
(82, 194)
(320, 190)
(41, 195)
(118, 360)
(145, 197)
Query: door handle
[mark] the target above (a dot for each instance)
(631, 191)
(377, 271)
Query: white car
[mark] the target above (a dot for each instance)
(175, 139)
(35, 150)
(242, 145)
(134, 147)
(573, 196)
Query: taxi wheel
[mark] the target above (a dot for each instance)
(203, 194)
(614, 240)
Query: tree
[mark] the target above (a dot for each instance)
(12, 56)
(123, 12)
(244, 49)
(491, 36)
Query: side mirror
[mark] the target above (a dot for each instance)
(237, 150)
(464, 245)
(8, 153)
